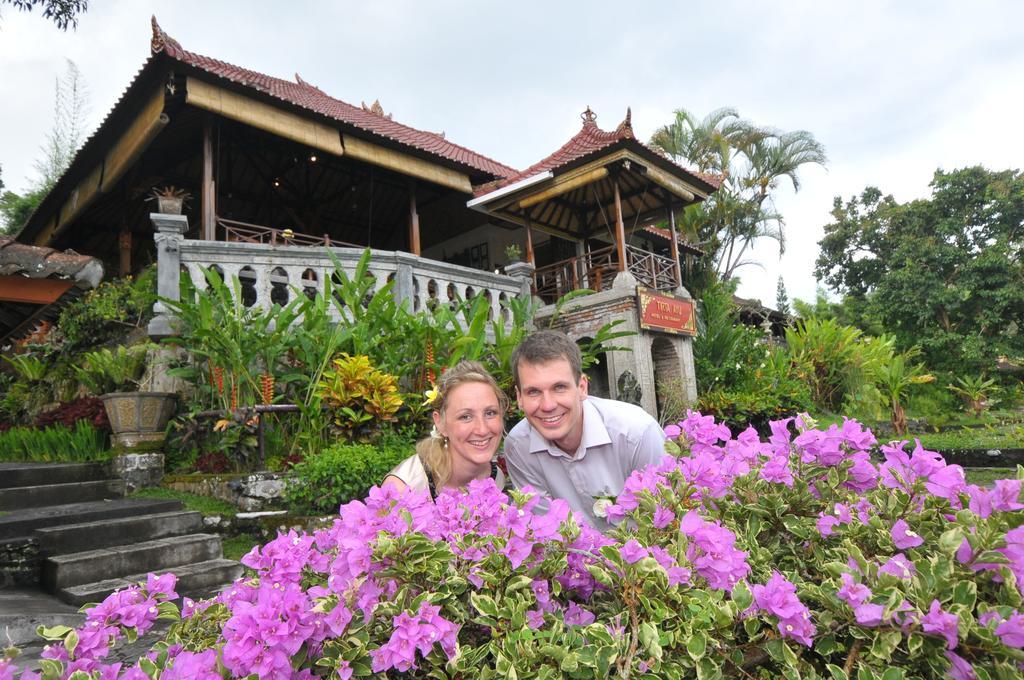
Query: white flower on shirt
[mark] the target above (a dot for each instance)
(601, 506)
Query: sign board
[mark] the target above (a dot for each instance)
(666, 312)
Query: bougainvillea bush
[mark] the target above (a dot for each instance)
(795, 556)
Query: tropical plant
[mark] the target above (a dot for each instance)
(113, 370)
(108, 312)
(976, 392)
(726, 352)
(751, 161)
(56, 444)
(359, 396)
(894, 378)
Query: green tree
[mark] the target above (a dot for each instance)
(71, 106)
(781, 298)
(752, 161)
(64, 13)
(945, 272)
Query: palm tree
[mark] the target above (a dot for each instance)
(751, 160)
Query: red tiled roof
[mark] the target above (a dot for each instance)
(37, 262)
(667, 235)
(587, 141)
(300, 93)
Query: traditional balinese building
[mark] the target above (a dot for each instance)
(279, 173)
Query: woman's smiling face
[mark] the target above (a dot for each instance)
(473, 423)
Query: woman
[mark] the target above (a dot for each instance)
(469, 420)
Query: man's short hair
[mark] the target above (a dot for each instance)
(544, 346)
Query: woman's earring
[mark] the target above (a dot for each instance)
(445, 442)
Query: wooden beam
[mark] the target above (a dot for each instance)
(674, 242)
(560, 186)
(529, 237)
(414, 221)
(683, 191)
(407, 165)
(620, 229)
(208, 210)
(32, 291)
(263, 116)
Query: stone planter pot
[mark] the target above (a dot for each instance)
(170, 205)
(138, 419)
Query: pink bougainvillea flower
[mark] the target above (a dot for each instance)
(778, 598)
(868, 614)
(903, 536)
(1011, 631)
(853, 593)
(899, 566)
(939, 622)
(632, 551)
(959, 668)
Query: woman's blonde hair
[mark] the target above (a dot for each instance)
(433, 451)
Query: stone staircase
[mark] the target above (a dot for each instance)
(68, 528)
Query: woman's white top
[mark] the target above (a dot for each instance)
(413, 472)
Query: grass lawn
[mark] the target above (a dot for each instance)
(987, 476)
(191, 501)
(237, 546)
(1001, 437)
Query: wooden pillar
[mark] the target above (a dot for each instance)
(675, 243)
(208, 209)
(124, 242)
(529, 237)
(414, 222)
(620, 228)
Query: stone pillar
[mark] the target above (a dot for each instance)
(685, 348)
(138, 470)
(170, 232)
(404, 287)
(523, 272)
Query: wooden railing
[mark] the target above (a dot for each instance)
(596, 270)
(234, 231)
(656, 272)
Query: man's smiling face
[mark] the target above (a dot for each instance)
(552, 400)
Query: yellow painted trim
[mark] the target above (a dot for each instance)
(81, 197)
(134, 141)
(405, 164)
(264, 116)
(679, 188)
(562, 186)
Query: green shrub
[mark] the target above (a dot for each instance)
(56, 444)
(341, 473)
(739, 408)
(109, 311)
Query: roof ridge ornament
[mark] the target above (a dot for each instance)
(589, 118)
(625, 128)
(305, 83)
(161, 42)
(376, 108)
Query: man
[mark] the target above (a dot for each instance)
(571, 445)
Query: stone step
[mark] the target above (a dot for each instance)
(19, 498)
(72, 538)
(193, 579)
(21, 523)
(40, 474)
(63, 571)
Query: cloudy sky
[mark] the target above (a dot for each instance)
(893, 90)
